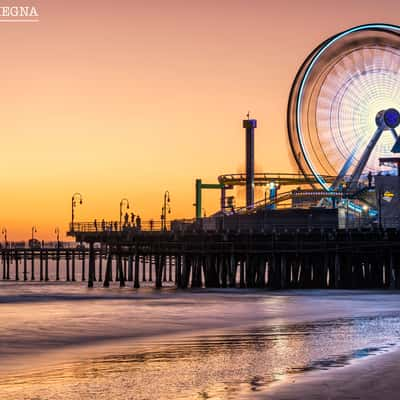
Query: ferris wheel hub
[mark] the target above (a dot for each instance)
(388, 119)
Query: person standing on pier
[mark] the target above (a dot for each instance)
(132, 219)
(138, 223)
(126, 220)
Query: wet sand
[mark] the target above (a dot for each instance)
(375, 377)
(65, 342)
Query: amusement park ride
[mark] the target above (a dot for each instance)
(342, 116)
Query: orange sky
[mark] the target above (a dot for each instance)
(129, 98)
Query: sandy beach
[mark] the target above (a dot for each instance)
(64, 342)
(374, 377)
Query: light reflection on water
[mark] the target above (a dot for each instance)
(214, 366)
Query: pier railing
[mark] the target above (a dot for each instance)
(39, 245)
(229, 223)
(116, 226)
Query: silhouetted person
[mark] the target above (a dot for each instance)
(369, 180)
(95, 225)
(103, 225)
(138, 223)
(151, 224)
(126, 219)
(116, 225)
(132, 219)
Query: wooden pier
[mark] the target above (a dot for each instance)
(296, 260)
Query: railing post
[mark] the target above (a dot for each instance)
(67, 256)
(136, 283)
(25, 266)
(16, 266)
(58, 264)
(83, 264)
(100, 264)
(92, 264)
(73, 265)
(3, 256)
(32, 265)
(46, 270)
(41, 265)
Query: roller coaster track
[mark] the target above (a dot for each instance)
(285, 196)
(262, 179)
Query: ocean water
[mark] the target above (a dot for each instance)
(64, 341)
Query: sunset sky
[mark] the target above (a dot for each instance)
(128, 99)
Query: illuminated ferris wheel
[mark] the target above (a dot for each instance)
(342, 112)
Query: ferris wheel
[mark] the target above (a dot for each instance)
(343, 107)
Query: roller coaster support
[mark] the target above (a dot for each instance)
(200, 186)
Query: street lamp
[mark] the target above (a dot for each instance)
(4, 232)
(121, 203)
(75, 196)
(166, 208)
(57, 232)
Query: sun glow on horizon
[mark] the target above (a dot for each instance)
(133, 100)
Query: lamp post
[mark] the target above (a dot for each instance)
(121, 203)
(57, 232)
(166, 208)
(4, 232)
(76, 196)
